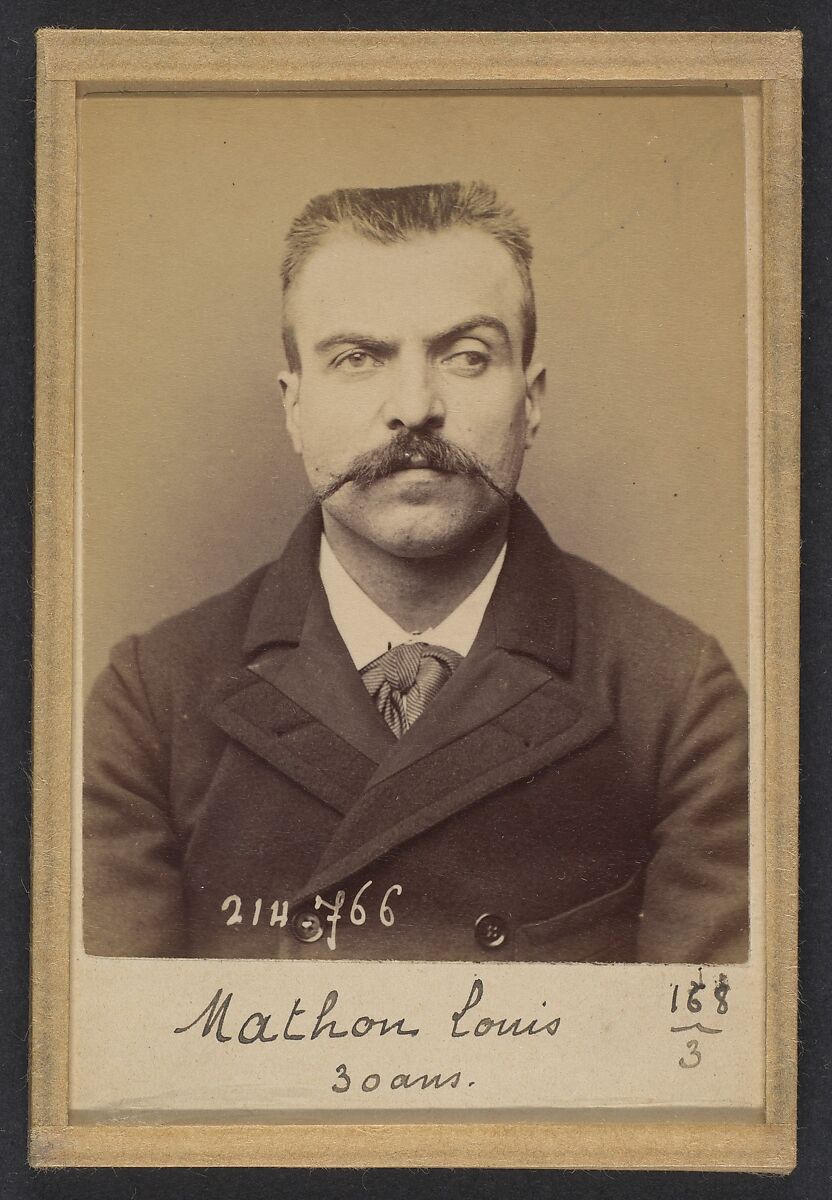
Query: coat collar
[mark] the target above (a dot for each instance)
(511, 707)
(280, 606)
(534, 566)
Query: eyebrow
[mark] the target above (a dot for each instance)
(360, 339)
(481, 321)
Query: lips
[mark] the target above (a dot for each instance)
(416, 461)
(408, 451)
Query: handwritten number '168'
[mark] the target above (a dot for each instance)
(693, 1004)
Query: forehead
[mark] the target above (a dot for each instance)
(429, 282)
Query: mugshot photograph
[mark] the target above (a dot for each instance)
(425, 731)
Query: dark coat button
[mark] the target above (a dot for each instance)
(306, 925)
(491, 931)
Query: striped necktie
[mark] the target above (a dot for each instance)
(405, 679)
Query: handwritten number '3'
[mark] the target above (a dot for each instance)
(693, 1047)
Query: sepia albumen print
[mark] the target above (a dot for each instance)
(430, 728)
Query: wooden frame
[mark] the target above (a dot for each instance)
(71, 62)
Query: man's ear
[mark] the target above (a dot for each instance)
(535, 392)
(290, 387)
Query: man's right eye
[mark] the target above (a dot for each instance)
(356, 360)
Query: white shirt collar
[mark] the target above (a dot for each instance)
(367, 631)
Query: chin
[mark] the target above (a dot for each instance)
(423, 533)
(426, 518)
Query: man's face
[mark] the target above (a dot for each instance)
(421, 337)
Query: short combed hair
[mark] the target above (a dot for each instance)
(388, 215)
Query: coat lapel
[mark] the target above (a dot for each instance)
(526, 637)
(483, 762)
(487, 683)
(298, 701)
(319, 677)
(511, 708)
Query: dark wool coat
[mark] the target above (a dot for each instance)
(576, 792)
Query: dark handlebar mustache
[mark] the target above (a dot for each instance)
(436, 454)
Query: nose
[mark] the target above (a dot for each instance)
(415, 401)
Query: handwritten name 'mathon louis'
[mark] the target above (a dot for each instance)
(329, 1021)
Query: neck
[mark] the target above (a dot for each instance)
(417, 593)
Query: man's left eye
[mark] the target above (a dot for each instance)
(467, 362)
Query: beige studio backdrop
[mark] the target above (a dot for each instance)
(636, 206)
